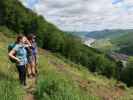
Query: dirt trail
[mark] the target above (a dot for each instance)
(30, 89)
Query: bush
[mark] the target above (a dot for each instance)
(127, 73)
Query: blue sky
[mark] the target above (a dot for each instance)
(116, 1)
(85, 15)
(31, 3)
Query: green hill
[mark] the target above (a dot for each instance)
(113, 40)
(59, 79)
(108, 33)
(124, 42)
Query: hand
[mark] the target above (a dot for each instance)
(28, 42)
(18, 60)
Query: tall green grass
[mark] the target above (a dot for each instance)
(60, 84)
(54, 86)
(10, 89)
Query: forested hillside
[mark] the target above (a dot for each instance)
(19, 19)
(125, 43)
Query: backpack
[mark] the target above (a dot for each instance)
(10, 47)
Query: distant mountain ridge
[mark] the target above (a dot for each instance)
(120, 38)
(104, 33)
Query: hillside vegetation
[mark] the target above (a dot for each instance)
(59, 79)
(10, 88)
(125, 43)
(64, 64)
(14, 16)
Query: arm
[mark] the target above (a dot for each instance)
(11, 55)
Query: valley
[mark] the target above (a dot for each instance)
(117, 44)
(111, 40)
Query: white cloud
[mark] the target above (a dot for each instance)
(24, 2)
(86, 15)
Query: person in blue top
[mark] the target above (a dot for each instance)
(19, 54)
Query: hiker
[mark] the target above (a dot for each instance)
(19, 54)
(32, 57)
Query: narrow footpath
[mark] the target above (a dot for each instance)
(30, 89)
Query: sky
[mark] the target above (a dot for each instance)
(85, 15)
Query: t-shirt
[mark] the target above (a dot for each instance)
(21, 53)
(34, 48)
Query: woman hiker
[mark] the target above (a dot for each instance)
(32, 57)
(19, 54)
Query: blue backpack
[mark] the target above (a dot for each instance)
(10, 47)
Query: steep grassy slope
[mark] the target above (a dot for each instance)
(9, 86)
(59, 79)
(75, 82)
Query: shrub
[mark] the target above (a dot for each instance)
(127, 73)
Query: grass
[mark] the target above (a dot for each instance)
(54, 84)
(58, 87)
(10, 88)
(59, 79)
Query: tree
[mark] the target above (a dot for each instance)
(127, 73)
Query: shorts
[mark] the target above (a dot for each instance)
(31, 59)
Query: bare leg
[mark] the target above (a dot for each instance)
(33, 68)
(29, 69)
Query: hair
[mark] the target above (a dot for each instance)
(30, 36)
(19, 37)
